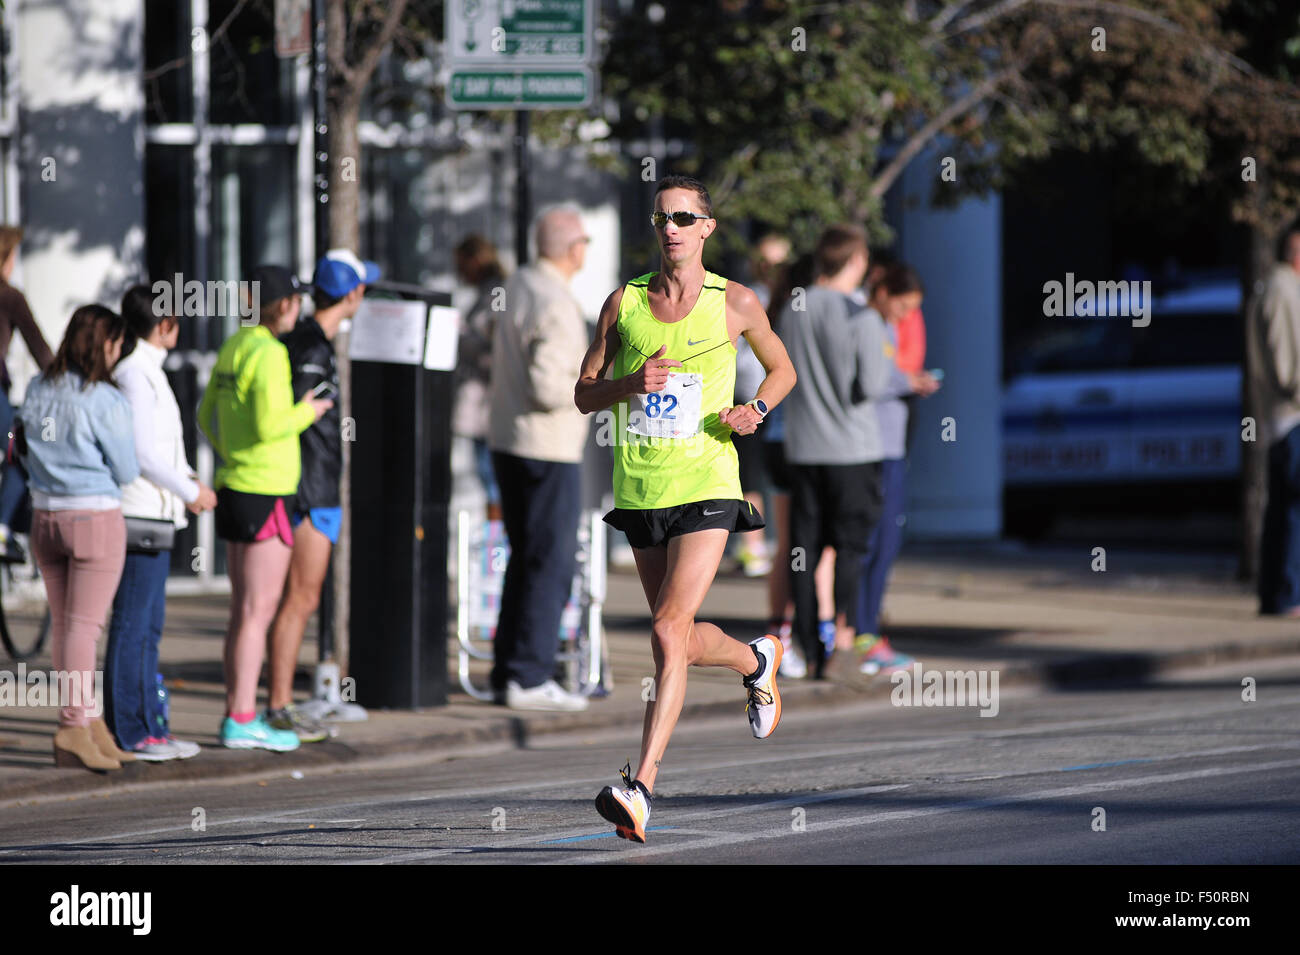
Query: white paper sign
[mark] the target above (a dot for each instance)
(385, 330)
(443, 338)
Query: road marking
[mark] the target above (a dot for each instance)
(778, 754)
(894, 815)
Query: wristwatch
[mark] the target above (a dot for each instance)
(759, 405)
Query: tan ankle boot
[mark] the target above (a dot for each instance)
(74, 748)
(107, 745)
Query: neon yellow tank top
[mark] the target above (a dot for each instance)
(653, 472)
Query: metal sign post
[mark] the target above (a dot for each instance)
(521, 56)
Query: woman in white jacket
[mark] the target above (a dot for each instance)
(166, 488)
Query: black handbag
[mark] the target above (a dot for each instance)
(145, 536)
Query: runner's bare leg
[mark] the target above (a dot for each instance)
(686, 568)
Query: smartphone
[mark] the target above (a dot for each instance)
(935, 373)
(325, 389)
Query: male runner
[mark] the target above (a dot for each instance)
(677, 491)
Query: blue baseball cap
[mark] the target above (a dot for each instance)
(340, 271)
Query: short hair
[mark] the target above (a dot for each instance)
(477, 258)
(320, 299)
(556, 230)
(1287, 250)
(686, 182)
(836, 246)
(82, 348)
(900, 279)
(10, 237)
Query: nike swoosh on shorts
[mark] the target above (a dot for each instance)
(712, 513)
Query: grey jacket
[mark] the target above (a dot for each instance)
(537, 349)
(1273, 353)
(838, 351)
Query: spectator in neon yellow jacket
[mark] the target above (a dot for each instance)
(256, 434)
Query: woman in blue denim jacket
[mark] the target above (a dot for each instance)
(79, 450)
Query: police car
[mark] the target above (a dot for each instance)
(1099, 402)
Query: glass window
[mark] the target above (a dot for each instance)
(250, 84)
(168, 61)
(253, 214)
(169, 218)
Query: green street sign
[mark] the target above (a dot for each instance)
(520, 89)
(502, 33)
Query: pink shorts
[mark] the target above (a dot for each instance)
(277, 524)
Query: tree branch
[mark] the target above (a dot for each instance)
(921, 138)
(370, 58)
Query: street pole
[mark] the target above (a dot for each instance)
(320, 124)
(523, 194)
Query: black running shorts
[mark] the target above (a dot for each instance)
(240, 515)
(654, 526)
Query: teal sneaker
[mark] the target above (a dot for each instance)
(255, 734)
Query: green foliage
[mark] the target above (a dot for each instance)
(796, 110)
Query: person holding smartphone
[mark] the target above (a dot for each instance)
(249, 414)
(338, 286)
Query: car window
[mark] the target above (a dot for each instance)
(1187, 340)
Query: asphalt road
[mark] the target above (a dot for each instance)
(1184, 770)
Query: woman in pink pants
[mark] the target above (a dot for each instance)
(78, 448)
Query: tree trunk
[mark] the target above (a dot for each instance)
(344, 113)
(345, 233)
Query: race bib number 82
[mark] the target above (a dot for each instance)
(671, 413)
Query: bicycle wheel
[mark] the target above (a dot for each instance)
(24, 615)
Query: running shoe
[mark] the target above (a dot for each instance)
(187, 749)
(255, 734)
(792, 665)
(753, 564)
(291, 719)
(626, 806)
(877, 656)
(154, 749)
(764, 706)
(826, 630)
(548, 696)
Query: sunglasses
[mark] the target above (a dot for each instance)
(679, 219)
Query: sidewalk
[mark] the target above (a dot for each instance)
(1036, 618)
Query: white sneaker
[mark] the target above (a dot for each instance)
(626, 807)
(764, 707)
(549, 696)
(156, 750)
(792, 665)
(187, 749)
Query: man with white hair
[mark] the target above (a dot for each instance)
(537, 439)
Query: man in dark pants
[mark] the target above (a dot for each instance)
(1273, 361)
(832, 436)
(537, 438)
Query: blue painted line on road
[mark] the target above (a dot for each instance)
(1119, 762)
(603, 835)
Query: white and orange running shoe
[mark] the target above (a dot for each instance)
(764, 706)
(627, 807)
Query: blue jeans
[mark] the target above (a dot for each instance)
(882, 551)
(12, 484)
(131, 706)
(1279, 545)
(541, 506)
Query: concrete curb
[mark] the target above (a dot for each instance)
(1075, 672)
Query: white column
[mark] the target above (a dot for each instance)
(81, 159)
(955, 487)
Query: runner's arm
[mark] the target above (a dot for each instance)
(593, 391)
